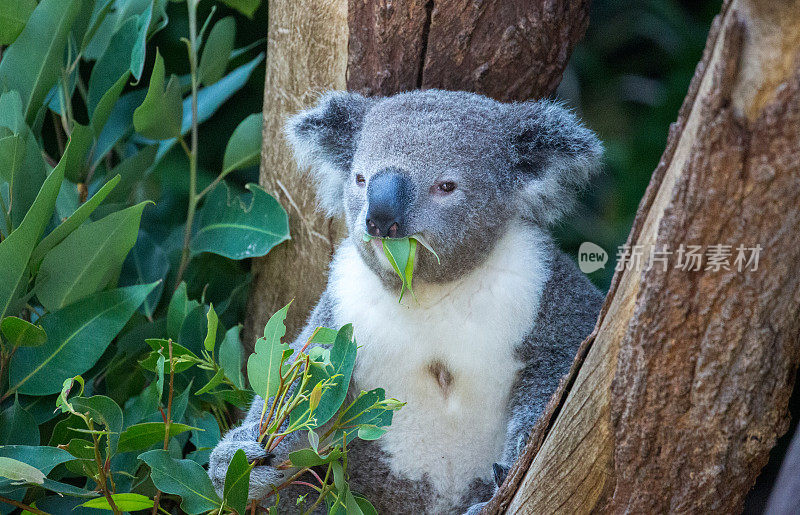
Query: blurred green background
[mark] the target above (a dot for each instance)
(627, 79)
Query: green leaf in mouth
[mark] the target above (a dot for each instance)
(401, 253)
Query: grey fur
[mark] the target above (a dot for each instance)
(513, 163)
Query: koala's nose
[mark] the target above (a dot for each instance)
(389, 194)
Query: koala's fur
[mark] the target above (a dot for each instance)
(493, 327)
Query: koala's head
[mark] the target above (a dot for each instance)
(457, 168)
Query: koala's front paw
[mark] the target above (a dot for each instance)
(263, 476)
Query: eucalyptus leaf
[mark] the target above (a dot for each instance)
(211, 98)
(211, 335)
(73, 222)
(237, 482)
(18, 427)
(14, 15)
(246, 7)
(147, 262)
(215, 381)
(179, 308)
(32, 64)
(143, 24)
(113, 64)
(88, 259)
(229, 228)
(310, 458)
(161, 114)
(20, 472)
(75, 161)
(104, 412)
(77, 336)
(230, 356)
(184, 358)
(143, 435)
(217, 51)
(123, 501)
(184, 478)
(21, 333)
(16, 249)
(205, 438)
(264, 365)
(102, 110)
(244, 146)
(20, 157)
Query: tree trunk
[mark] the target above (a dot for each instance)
(677, 397)
(507, 49)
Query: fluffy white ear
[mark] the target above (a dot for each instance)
(324, 138)
(553, 154)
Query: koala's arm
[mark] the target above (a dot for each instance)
(569, 308)
(245, 436)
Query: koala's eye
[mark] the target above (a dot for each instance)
(360, 180)
(446, 187)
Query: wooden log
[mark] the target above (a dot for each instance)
(678, 395)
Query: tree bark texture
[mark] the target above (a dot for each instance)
(677, 397)
(306, 54)
(507, 49)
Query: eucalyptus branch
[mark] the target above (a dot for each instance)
(168, 418)
(22, 506)
(101, 469)
(193, 198)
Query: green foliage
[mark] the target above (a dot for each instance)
(124, 502)
(627, 79)
(237, 483)
(32, 63)
(161, 114)
(104, 307)
(184, 478)
(244, 147)
(229, 228)
(217, 51)
(13, 16)
(303, 391)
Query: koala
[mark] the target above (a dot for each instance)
(480, 347)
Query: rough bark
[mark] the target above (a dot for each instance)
(510, 50)
(678, 395)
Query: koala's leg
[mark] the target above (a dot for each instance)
(245, 437)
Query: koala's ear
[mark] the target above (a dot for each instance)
(324, 139)
(553, 155)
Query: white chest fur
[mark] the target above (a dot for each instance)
(469, 327)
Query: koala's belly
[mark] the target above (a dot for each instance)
(449, 354)
(449, 432)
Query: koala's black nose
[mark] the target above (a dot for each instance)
(389, 194)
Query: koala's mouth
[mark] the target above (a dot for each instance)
(399, 255)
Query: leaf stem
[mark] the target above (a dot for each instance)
(101, 470)
(167, 419)
(22, 506)
(193, 197)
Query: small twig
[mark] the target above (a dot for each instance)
(167, 419)
(22, 506)
(101, 471)
(325, 489)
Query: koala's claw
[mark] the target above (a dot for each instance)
(500, 472)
